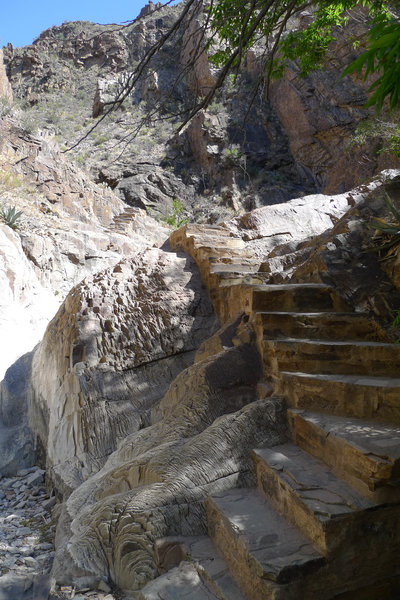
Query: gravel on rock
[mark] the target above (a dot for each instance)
(27, 530)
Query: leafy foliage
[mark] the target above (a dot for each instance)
(237, 24)
(176, 218)
(10, 216)
(382, 55)
(388, 231)
(387, 131)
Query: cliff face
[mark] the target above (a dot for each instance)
(5, 86)
(297, 142)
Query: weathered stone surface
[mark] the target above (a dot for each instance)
(320, 113)
(353, 395)
(310, 496)
(345, 256)
(180, 582)
(156, 482)
(194, 58)
(318, 325)
(329, 357)
(110, 354)
(5, 86)
(207, 568)
(365, 453)
(261, 548)
(25, 306)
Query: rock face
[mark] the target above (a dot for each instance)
(69, 228)
(160, 476)
(136, 436)
(5, 87)
(109, 355)
(297, 143)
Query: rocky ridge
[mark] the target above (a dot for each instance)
(299, 142)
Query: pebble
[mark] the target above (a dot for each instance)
(27, 534)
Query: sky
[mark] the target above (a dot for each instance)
(22, 21)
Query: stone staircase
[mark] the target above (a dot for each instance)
(324, 521)
(123, 220)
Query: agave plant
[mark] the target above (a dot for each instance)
(10, 216)
(388, 232)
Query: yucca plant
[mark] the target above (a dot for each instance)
(10, 216)
(388, 232)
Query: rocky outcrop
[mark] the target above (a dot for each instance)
(65, 233)
(108, 357)
(136, 435)
(69, 229)
(158, 478)
(5, 87)
(320, 113)
(232, 157)
(195, 60)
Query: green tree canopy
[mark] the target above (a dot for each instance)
(237, 24)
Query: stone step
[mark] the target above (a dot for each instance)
(301, 297)
(307, 493)
(213, 569)
(262, 550)
(219, 281)
(331, 357)
(318, 325)
(180, 583)
(226, 259)
(347, 395)
(238, 268)
(365, 453)
(213, 575)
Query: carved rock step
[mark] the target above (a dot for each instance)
(223, 275)
(318, 325)
(347, 395)
(365, 453)
(309, 495)
(261, 548)
(180, 583)
(303, 297)
(202, 571)
(330, 357)
(213, 569)
(232, 268)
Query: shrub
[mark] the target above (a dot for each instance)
(176, 219)
(10, 216)
(29, 122)
(5, 107)
(388, 232)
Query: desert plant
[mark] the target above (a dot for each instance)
(176, 219)
(10, 216)
(29, 122)
(387, 232)
(232, 157)
(5, 107)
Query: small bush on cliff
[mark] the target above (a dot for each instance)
(10, 216)
(388, 232)
(176, 218)
(5, 107)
